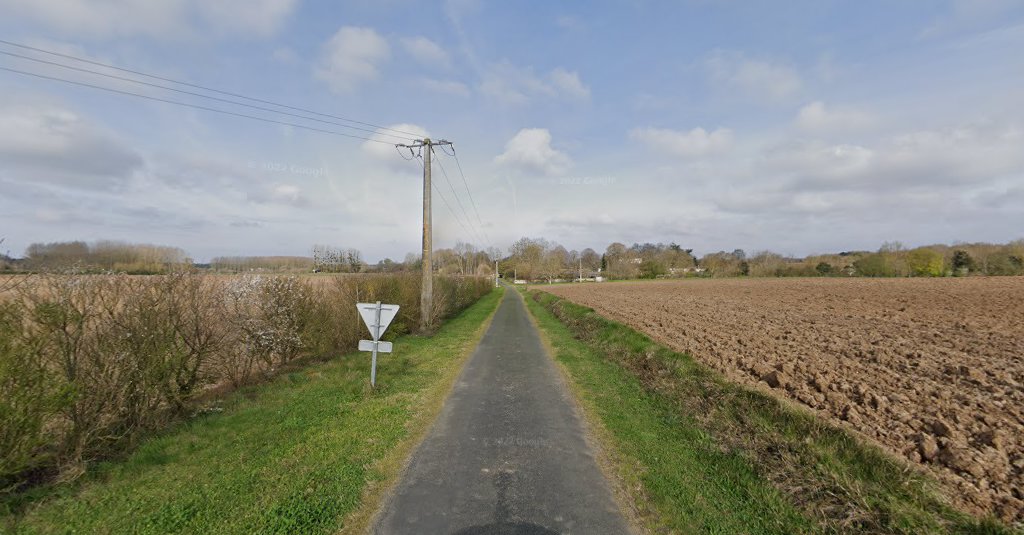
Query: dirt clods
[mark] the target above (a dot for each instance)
(931, 369)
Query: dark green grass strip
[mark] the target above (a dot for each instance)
(700, 455)
(291, 456)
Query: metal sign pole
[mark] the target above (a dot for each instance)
(376, 338)
(377, 317)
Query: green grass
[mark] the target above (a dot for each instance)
(696, 453)
(302, 454)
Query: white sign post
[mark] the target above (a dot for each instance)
(377, 317)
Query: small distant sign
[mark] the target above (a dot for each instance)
(377, 317)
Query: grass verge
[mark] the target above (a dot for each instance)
(302, 454)
(699, 454)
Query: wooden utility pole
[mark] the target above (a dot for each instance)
(427, 285)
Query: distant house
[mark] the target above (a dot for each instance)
(589, 276)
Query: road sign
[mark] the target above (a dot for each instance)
(374, 319)
(382, 347)
(377, 317)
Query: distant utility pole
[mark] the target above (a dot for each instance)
(495, 273)
(581, 270)
(427, 286)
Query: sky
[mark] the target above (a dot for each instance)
(800, 127)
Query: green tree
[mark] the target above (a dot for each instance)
(962, 262)
(872, 265)
(651, 269)
(527, 256)
(925, 262)
(1003, 263)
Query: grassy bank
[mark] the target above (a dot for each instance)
(698, 454)
(305, 453)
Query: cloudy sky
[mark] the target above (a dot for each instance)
(817, 126)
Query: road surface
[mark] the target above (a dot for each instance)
(507, 454)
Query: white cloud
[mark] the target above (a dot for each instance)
(827, 164)
(959, 157)
(47, 143)
(695, 143)
(351, 57)
(445, 87)
(530, 150)
(426, 52)
(819, 118)
(113, 18)
(249, 16)
(284, 194)
(86, 54)
(968, 16)
(512, 85)
(386, 151)
(569, 83)
(162, 19)
(755, 77)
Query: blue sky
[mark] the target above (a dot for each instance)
(800, 127)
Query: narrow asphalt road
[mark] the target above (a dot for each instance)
(507, 454)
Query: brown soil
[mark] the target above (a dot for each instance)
(932, 369)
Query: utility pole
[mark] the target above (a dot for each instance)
(581, 270)
(427, 286)
(495, 273)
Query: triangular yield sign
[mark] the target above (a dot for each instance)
(368, 311)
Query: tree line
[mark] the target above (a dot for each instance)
(537, 259)
(121, 257)
(105, 255)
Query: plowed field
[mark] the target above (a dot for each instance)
(931, 369)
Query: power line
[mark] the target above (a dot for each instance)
(200, 95)
(455, 155)
(204, 88)
(465, 214)
(434, 187)
(196, 106)
(450, 209)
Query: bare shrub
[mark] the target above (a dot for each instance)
(28, 397)
(91, 362)
(271, 315)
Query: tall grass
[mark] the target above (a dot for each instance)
(88, 363)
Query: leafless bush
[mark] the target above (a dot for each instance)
(89, 362)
